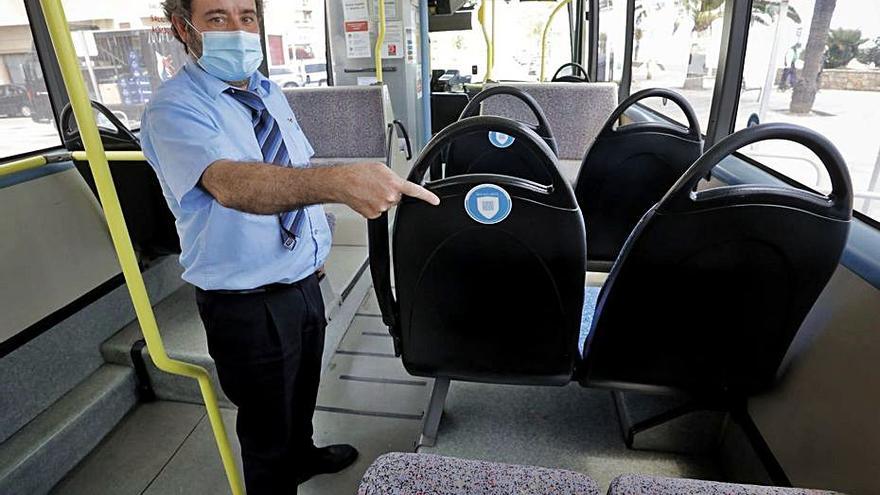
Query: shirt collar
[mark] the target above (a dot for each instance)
(258, 83)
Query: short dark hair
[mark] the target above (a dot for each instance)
(183, 8)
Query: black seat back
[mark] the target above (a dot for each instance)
(150, 223)
(578, 74)
(712, 286)
(628, 169)
(446, 109)
(490, 284)
(481, 153)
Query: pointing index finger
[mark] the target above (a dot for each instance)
(416, 191)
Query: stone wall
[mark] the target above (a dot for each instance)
(856, 80)
(846, 79)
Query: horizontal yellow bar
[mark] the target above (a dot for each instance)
(22, 165)
(114, 156)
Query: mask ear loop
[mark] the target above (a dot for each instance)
(194, 29)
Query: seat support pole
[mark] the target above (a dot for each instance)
(630, 429)
(433, 413)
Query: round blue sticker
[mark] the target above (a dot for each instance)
(500, 140)
(488, 204)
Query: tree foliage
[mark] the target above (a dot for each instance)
(765, 12)
(870, 54)
(702, 12)
(843, 46)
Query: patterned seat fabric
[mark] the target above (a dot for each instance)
(648, 485)
(424, 474)
(576, 112)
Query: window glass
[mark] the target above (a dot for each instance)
(818, 65)
(126, 50)
(612, 38)
(296, 42)
(26, 121)
(519, 26)
(676, 45)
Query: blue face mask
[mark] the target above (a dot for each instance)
(230, 55)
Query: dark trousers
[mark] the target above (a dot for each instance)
(268, 348)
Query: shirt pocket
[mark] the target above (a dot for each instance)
(298, 145)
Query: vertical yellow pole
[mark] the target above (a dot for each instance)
(79, 99)
(380, 40)
(544, 38)
(490, 43)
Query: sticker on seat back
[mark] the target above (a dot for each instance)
(500, 140)
(488, 204)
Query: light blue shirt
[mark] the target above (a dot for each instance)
(190, 124)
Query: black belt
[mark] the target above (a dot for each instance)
(274, 287)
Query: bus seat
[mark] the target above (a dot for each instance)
(150, 223)
(482, 153)
(576, 112)
(445, 109)
(591, 297)
(633, 484)
(628, 169)
(343, 121)
(417, 474)
(712, 286)
(577, 74)
(494, 243)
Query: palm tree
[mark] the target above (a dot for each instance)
(764, 12)
(843, 46)
(703, 13)
(804, 94)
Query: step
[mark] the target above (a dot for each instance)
(344, 288)
(40, 454)
(368, 401)
(41, 371)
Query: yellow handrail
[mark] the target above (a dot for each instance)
(113, 156)
(380, 40)
(544, 37)
(490, 42)
(22, 165)
(33, 162)
(79, 99)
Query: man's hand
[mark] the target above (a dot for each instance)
(372, 189)
(368, 188)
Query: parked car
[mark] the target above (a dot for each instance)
(286, 77)
(316, 73)
(16, 101)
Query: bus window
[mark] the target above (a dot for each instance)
(518, 29)
(296, 43)
(803, 69)
(26, 121)
(612, 39)
(127, 50)
(676, 46)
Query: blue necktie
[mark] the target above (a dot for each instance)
(274, 151)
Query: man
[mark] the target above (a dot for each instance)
(789, 72)
(232, 163)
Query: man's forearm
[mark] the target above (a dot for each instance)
(265, 189)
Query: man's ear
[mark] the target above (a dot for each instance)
(180, 26)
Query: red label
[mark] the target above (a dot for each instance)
(357, 26)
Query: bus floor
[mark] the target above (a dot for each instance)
(367, 399)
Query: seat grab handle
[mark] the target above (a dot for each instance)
(380, 255)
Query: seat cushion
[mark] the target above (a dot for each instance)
(591, 297)
(424, 474)
(649, 485)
